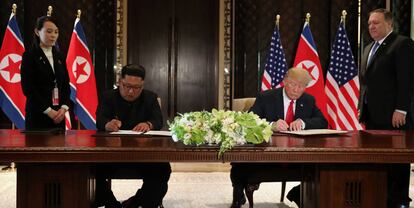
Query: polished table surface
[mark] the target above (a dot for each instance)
(91, 146)
(330, 163)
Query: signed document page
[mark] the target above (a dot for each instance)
(158, 133)
(126, 132)
(315, 132)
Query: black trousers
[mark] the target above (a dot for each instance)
(155, 181)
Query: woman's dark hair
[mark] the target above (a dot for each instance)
(133, 70)
(40, 22)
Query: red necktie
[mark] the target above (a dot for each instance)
(289, 114)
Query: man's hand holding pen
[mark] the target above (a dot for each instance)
(281, 125)
(113, 125)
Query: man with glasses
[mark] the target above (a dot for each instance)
(288, 108)
(131, 107)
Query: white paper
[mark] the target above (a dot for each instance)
(123, 132)
(158, 133)
(315, 132)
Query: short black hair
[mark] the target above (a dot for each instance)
(387, 14)
(133, 70)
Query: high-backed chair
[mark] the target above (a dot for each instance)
(290, 172)
(243, 104)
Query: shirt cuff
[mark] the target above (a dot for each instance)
(303, 124)
(149, 124)
(65, 107)
(401, 111)
(47, 110)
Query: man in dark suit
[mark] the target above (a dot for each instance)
(288, 108)
(386, 80)
(131, 107)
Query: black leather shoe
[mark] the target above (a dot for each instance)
(239, 203)
(294, 195)
(131, 202)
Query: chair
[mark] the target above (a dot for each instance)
(290, 172)
(243, 104)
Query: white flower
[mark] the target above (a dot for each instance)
(187, 136)
(226, 128)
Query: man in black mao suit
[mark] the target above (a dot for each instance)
(131, 107)
(289, 108)
(386, 80)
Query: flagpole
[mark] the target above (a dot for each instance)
(14, 8)
(308, 16)
(343, 16)
(49, 11)
(78, 15)
(277, 21)
(12, 166)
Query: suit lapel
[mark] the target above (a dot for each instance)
(382, 48)
(280, 114)
(300, 104)
(365, 58)
(45, 62)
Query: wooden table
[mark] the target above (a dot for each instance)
(55, 170)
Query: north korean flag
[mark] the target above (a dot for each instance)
(82, 78)
(12, 100)
(307, 58)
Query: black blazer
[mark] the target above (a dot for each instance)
(38, 81)
(269, 105)
(144, 108)
(387, 83)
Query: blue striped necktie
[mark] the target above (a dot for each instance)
(373, 50)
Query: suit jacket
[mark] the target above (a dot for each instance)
(386, 84)
(144, 108)
(269, 105)
(38, 81)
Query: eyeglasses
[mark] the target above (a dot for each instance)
(129, 87)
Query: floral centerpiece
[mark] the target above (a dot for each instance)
(226, 128)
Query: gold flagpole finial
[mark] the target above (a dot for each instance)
(14, 8)
(49, 11)
(78, 15)
(277, 20)
(343, 16)
(308, 17)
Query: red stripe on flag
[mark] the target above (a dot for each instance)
(342, 104)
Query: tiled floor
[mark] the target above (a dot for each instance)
(186, 190)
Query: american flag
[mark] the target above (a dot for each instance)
(275, 67)
(342, 85)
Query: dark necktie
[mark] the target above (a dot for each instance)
(289, 114)
(373, 51)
